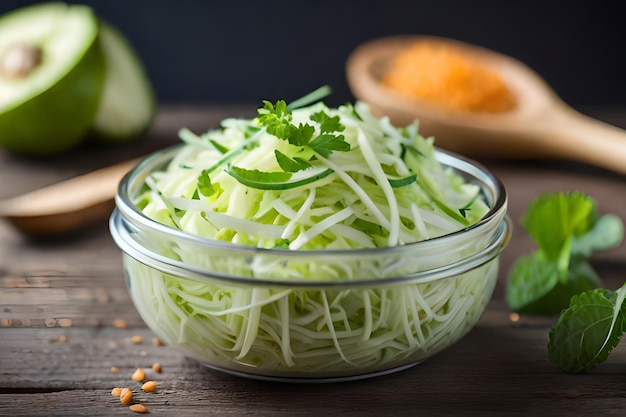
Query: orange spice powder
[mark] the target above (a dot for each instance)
(443, 76)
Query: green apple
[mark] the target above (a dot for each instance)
(52, 74)
(128, 103)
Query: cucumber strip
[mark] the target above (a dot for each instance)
(402, 181)
(298, 179)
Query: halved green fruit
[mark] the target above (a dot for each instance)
(47, 105)
(128, 104)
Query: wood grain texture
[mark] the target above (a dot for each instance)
(59, 299)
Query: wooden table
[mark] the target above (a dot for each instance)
(59, 299)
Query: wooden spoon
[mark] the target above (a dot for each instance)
(540, 126)
(66, 206)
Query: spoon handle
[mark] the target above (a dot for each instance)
(578, 137)
(68, 205)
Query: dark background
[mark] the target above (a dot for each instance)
(238, 51)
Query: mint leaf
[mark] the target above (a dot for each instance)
(290, 164)
(531, 278)
(553, 218)
(204, 184)
(587, 330)
(535, 288)
(567, 229)
(607, 233)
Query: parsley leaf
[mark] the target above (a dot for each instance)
(327, 124)
(324, 144)
(277, 119)
(301, 136)
(587, 330)
(290, 164)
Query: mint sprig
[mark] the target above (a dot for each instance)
(567, 229)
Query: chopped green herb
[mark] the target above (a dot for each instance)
(204, 184)
(290, 164)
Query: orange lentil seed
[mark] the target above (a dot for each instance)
(139, 375)
(156, 367)
(157, 342)
(138, 408)
(120, 323)
(136, 339)
(115, 370)
(149, 386)
(126, 396)
(116, 392)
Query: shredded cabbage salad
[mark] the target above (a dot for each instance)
(387, 189)
(304, 179)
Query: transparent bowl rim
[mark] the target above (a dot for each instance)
(126, 211)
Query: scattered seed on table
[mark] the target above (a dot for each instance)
(115, 370)
(149, 386)
(126, 396)
(157, 342)
(120, 323)
(136, 339)
(138, 408)
(60, 339)
(156, 367)
(64, 322)
(139, 375)
(116, 392)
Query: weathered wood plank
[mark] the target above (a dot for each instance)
(494, 368)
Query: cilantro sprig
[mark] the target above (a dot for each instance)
(567, 229)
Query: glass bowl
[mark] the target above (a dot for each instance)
(364, 312)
